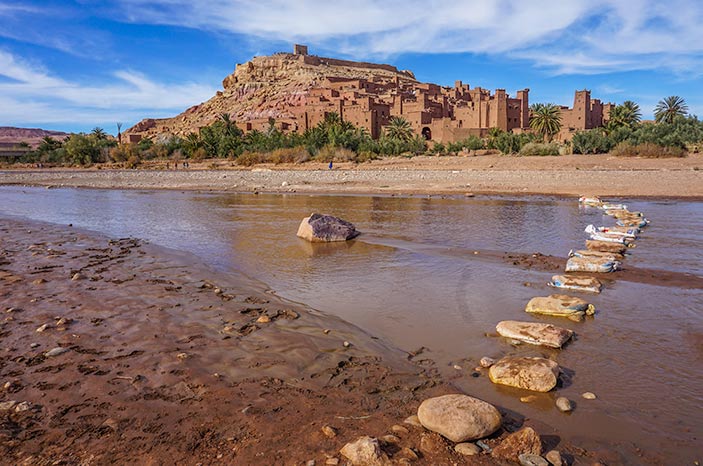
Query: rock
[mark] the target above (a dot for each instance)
(34, 345)
(407, 453)
(524, 441)
(534, 333)
(559, 305)
(332, 461)
(329, 431)
(467, 449)
(263, 320)
(554, 458)
(459, 417)
(7, 405)
(43, 328)
(399, 429)
(392, 439)
(318, 228)
(284, 184)
(588, 396)
(528, 399)
(564, 404)
(77, 276)
(23, 406)
(364, 451)
(532, 460)
(535, 374)
(486, 362)
(182, 356)
(63, 321)
(310, 463)
(55, 352)
(413, 421)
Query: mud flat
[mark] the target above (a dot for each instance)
(571, 175)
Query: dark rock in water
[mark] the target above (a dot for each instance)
(318, 228)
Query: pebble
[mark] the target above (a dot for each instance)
(23, 406)
(263, 320)
(528, 398)
(564, 404)
(43, 328)
(332, 461)
(483, 445)
(457, 367)
(217, 291)
(589, 396)
(310, 463)
(399, 429)
(326, 331)
(347, 344)
(77, 276)
(284, 184)
(413, 421)
(7, 405)
(329, 431)
(467, 449)
(55, 352)
(408, 453)
(532, 460)
(554, 457)
(182, 356)
(64, 321)
(390, 439)
(487, 362)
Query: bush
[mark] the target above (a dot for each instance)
(647, 150)
(289, 155)
(539, 148)
(248, 159)
(593, 141)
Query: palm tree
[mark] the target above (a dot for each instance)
(119, 133)
(669, 108)
(99, 133)
(628, 114)
(546, 120)
(398, 128)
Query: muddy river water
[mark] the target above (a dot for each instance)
(440, 273)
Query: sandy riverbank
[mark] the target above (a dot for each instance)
(572, 175)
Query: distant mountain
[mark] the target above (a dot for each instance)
(31, 136)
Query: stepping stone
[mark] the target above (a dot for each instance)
(534, 333)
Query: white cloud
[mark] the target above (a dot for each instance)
(568, 36)
(29, 94)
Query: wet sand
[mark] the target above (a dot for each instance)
(167, 362)
(571, 175)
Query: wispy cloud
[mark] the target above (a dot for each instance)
(29, 94)
(576, 36)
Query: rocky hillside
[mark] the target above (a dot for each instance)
(266, 87)
(32, 136)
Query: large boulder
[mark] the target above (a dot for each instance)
(535, 374)
(319, 228)
(534, 333)
(459, 418)
(524, 441)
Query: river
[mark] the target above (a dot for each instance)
(433, 272)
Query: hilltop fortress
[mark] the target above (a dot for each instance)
(296, 90)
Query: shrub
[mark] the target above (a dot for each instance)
(539, 148)
(289, 155)
(647, 150)
(591, 142)
(248, 159)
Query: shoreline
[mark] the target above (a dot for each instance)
(170, 362)
(568, 176)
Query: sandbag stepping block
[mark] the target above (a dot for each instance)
(591, 264)
(588, 254)
(534, 333)
(588, 284)
(560, 305)
(459, 418)
(535, 374)
(604, 246)
(593, 201)
(632, 222)
(319, 228)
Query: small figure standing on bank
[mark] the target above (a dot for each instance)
(330, 165)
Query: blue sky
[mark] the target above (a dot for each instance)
(75, 64)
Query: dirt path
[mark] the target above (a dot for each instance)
(568, 176)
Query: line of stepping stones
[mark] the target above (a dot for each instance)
(604, 253)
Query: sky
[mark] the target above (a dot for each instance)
(74, 65)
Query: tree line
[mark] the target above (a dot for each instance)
(672, 133)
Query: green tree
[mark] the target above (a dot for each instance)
(628, 114)
(546, 120)
(669, 108)
(98, 133)
(399, 129)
